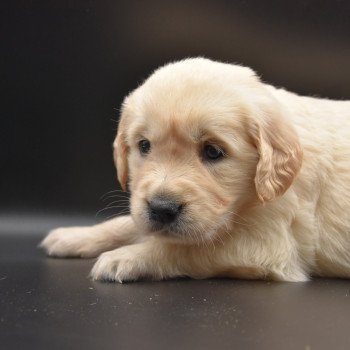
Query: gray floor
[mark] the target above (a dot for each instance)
(50, 303)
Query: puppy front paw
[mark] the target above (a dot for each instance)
(123, 265)
(71, 242)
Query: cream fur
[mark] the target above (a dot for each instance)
(277, 206)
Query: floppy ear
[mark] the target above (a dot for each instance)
(280, 156)
(121, 150)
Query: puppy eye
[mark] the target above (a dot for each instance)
(211, 152)
(144, 146)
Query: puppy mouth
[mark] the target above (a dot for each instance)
(182, 229)
(172, 218)
(170, 230)
(179, 228)
(174, 232)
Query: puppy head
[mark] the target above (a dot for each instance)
(198, 141)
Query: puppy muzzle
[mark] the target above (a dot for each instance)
(164, 210)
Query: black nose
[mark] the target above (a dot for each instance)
(163, 209)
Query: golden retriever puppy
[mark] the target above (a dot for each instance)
(228, 177)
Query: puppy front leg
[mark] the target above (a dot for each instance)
(89, 242)
(154, 259)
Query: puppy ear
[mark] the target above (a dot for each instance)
(121, 150)
(280, 156)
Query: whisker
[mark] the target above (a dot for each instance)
(115, 196)
(122, 202)
(111, 207)
(114, 192)
(117, 215)
(238, 222)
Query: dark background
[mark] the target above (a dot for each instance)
(66, 66)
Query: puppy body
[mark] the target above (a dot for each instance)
(322, 190)
(275, 206)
